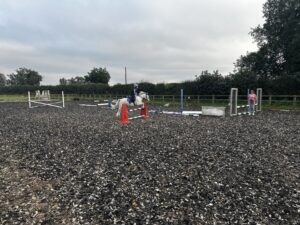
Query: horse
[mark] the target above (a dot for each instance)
(138, 102)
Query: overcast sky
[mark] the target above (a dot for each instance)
(157, 40)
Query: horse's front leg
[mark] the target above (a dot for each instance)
(139, 103)
(119, 111)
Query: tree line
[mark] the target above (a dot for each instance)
(275, 66)
(207, 83)
(24, 76)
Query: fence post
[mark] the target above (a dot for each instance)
(270, 99)
(213, 99)
(163, 98)
(294, 100)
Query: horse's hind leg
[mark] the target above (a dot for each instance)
(114, 106)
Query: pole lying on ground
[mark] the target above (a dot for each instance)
(46, 104)
(40, 104)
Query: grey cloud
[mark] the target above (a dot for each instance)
(170, 40)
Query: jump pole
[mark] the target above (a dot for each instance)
(234, 98)
(46, 104)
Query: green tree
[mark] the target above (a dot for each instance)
(72, 80)
(98, 75)
(211, 83)
(2, 80)
(63, 81)
(24, 76)
(77, 80)
(243, 80)
(279, 37)
(288, 84)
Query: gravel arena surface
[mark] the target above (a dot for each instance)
(79, 165)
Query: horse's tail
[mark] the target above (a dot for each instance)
(115, 105)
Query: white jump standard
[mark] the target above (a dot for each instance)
(44, 100)
(233, 109)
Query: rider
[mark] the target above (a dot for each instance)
(133, 94)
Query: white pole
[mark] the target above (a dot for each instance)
(46, 104)
(29, 102)
(233, 101)
(259, 99)
(63, 99)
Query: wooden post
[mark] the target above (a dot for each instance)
(213, 99)
(294, 100)
(270, 99)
